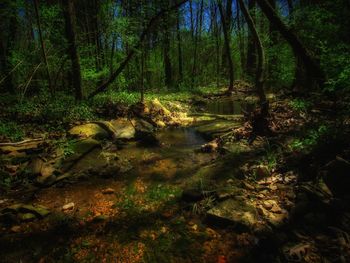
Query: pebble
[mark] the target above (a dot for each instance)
(68, 206)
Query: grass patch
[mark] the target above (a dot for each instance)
(11, 130)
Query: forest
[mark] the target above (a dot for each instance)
(175, 131)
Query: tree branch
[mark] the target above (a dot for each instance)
(132, 52)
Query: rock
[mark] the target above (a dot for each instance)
(146, 133)
(337, 177)
(235, 212)
(16, 229)
(22, 213)
(81, 149)
(27, 217)
(123, 129)
(38, 211)
(89, 130)
(274, 219)
(269, 204)
(108, 191)
(68, 207)
(192, 195)
(210, 147)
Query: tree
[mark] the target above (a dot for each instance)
(314, 72)
(251, 52)
(36, 7)
(152, 22)
(68, 8)
(259, 78)
(227, 45)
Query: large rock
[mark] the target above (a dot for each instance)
(145, 132)
(22, 213)
(234, 212)
(116, 129)
(81, 150)
(121, 128)
(89, 130)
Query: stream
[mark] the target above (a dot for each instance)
(143, 202)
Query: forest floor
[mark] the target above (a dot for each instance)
(178, 181)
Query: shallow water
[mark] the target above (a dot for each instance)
(228, 106)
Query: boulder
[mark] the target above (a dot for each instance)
(234, 212)
(89, 130)
(145, 132)
(122, 129)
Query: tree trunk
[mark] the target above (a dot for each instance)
(167, 61)
(227, 46)
(259, 79)
(42, 44)
(72, 47)
(196, 38)
(179, 47)
(228, 22)
(153, 21)
(241, 43)
(251, 52)
(312, 67)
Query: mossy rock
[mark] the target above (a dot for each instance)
(89, 130)
(23, 211)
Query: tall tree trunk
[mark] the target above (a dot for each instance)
(42, 44)
(167, 61)
(274, 39)
(68, 7)
(228, 21)
(6, 80)
(217, 43)
(191, 18)
(260, 79)
(196, 40)
(142, 99)
(179, 47)
(227, 46)
(241, 43)
(251, 52)
(5, 48)
(314, 72)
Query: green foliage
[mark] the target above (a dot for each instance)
(300, 105)
(43, 107)
(67, 146)
(162, 193)
(11, 130)
(311, 139)
(112, 97)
